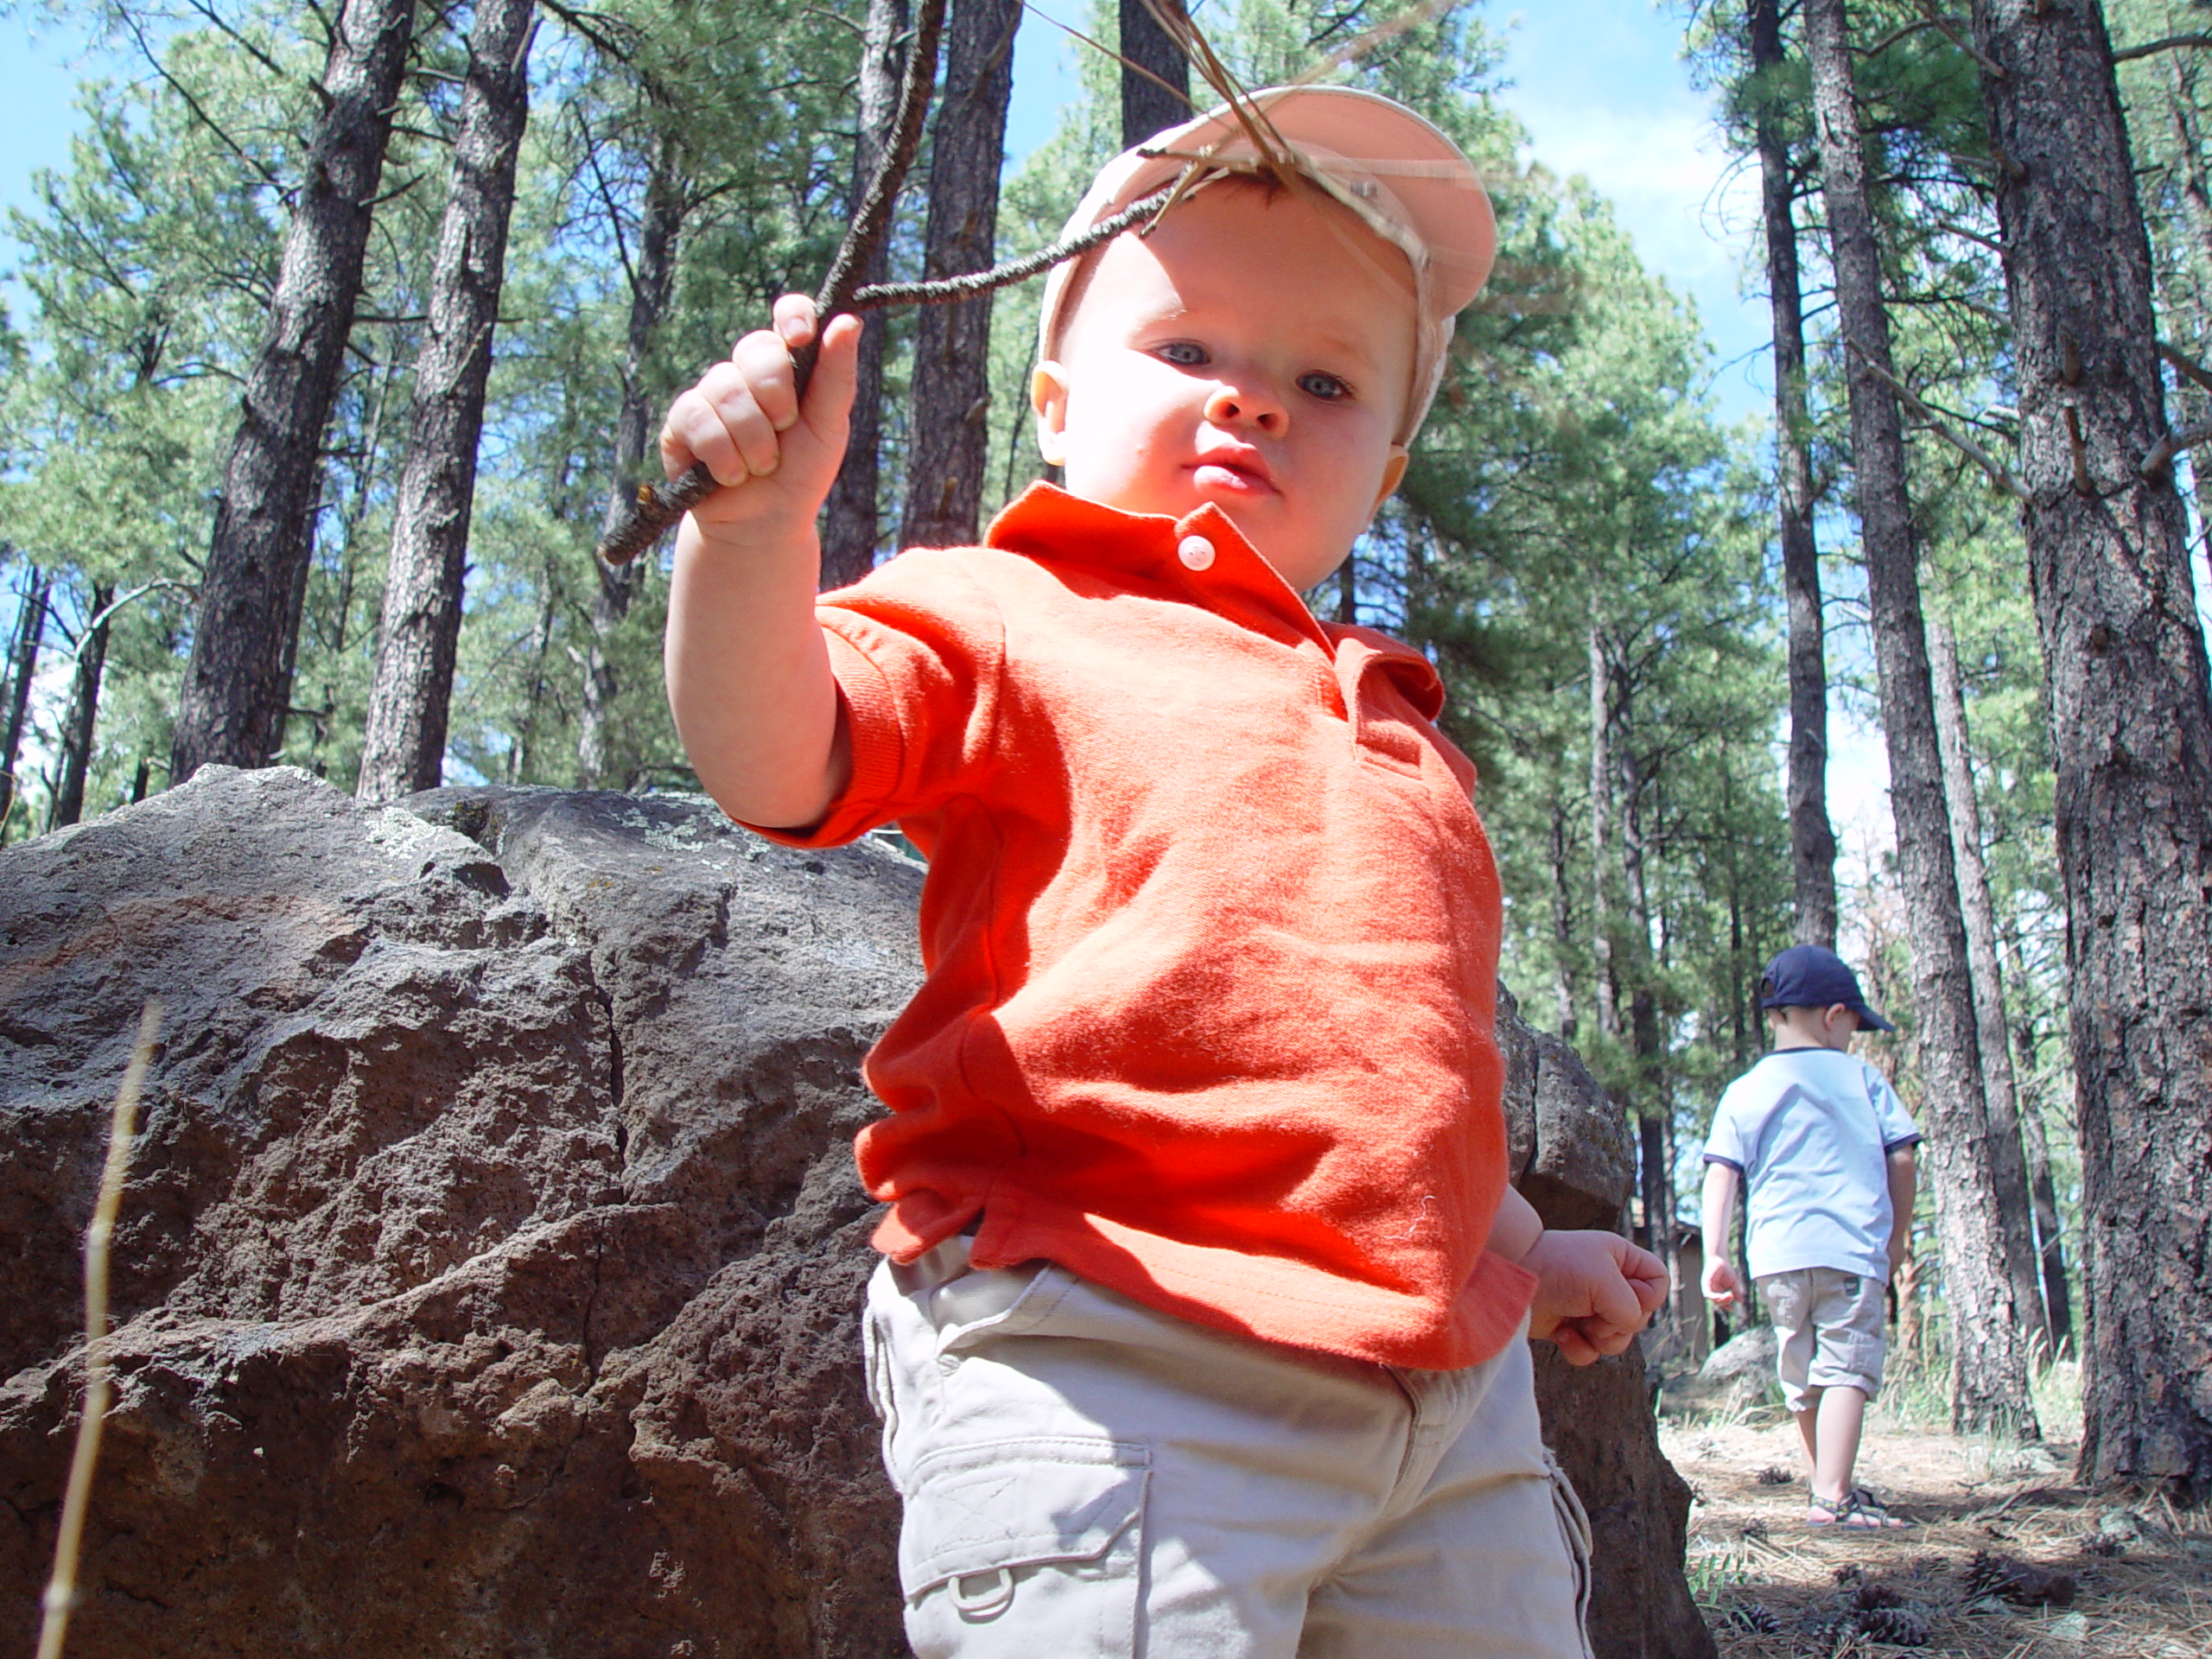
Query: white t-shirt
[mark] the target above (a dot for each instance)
(1810, 1131)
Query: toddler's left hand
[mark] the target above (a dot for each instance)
(1594, 1292)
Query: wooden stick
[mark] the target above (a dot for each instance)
(61, 1588)
(658, 505)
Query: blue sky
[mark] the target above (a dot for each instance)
(1597, 83)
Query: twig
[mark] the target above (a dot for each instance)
(158, 583)
(658, 505)
(61, 1589)
(947, 289)
(1999, 474)
(2126, 54)
(1890, 40)
(2158, 466)
(1949, 28)
(2189, 367)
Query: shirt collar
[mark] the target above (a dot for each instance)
(1046, 523)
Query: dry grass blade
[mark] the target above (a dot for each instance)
(61, 1588)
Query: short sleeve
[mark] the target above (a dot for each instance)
(917, 648)
(1898, 1130)
(1725, 1144)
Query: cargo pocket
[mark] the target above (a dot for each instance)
(1574, 1531)
(1025, 1548)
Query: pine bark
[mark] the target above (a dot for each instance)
(948, 440)
(1606, 988)
(1563, 925)
(77, 732)
(2125, 680)
(22, 658)
(1812, 838)
(850, 519)
(1989, 1378)
(404, 742)
(2050, 1243)
(2008, 1158)
(652, 270)
(1157, 99)
(236, 685)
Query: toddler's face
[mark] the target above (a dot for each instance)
(1254, 351)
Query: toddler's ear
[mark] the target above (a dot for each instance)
(1048, 396)
(1394, 472)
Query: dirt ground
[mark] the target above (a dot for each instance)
(2062, 1573)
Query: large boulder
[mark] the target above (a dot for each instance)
(1736, 1378)
(487, 1276)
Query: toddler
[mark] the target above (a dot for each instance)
(1199, 1331)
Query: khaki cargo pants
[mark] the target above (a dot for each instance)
(1084, 1476)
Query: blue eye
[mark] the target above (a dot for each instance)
(1326, 387)
(1183, 353)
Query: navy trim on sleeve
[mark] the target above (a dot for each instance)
(1889, 1147)
(1730, 1163)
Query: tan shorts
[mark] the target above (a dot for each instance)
(1083, 1475)
(1829, 1324)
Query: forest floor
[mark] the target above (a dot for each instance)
(2006, 1558)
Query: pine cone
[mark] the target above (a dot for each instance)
(2022, 1583)
(1872, 1595)
(1757, 1617)
(1986, 1574)
(1818, 1634)
(1902, 1627)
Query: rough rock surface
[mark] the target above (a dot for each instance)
(1736, 1376)
(486, 1279)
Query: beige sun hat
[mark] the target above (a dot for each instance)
(1407, 181)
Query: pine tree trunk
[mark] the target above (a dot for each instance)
(654, 278)
(1147, 104)
(849, 518)
(405, 743)
(84, 713)
(22, 658)
(235, 685)
(1563, 924)
(2131, 715)
(1601, 798)
(1656, 1183)
(2008, 1161)
(1812, 839)
(1989, 1380)
(948, 439)
(2057, 1301)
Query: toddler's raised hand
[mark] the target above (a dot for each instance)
(1594, 1292)
(775, 453)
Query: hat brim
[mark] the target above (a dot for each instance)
(1397, 170)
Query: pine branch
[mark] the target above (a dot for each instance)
(1999, 474)
(1948, 26)
(2171, 44)
(2186, 367)
(2158, 467)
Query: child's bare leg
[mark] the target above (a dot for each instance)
(1832, 1429)
(1808, 1417)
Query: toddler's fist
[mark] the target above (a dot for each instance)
(775, 453)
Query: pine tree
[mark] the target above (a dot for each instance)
(404, 746)
(2131, 718)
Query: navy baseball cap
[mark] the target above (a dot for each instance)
(1806, 976)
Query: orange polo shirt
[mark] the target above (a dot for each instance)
(1211, 931)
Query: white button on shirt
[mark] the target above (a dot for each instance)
(1196, 552)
